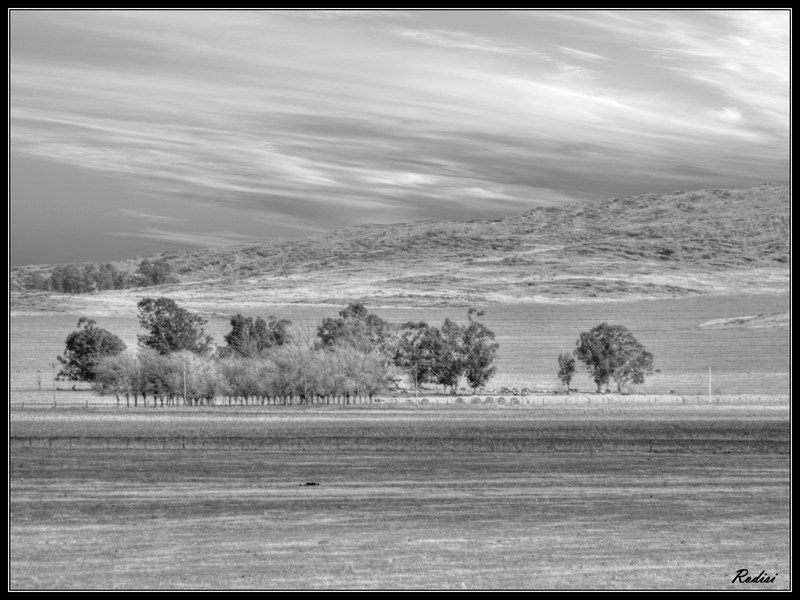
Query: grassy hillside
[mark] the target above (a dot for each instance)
(649, 246)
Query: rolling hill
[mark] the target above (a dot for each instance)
(649, 246)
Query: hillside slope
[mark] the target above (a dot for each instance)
(648, 246)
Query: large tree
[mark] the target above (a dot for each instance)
(480, 350)
(171, 328)
(450, 355)
(611, 352)
(357, 327)
(250, 337)
(416, 351)
(85, 348)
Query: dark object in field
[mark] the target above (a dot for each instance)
(309, 483)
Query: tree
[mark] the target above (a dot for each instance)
(155, 273)
(35, 281)
(85, 348)
(171, 328)
(566, 368)
(416, 351)
(196, 378)
(450, 357)
(359, 328)
(108, 277)
(69, 279)
(637, 363)
(249, 338)
(480, 350)
(74, 279)
(612, 352)
(161, 375)
(242, 377)
(117, 375)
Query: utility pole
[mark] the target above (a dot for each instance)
(184, 381)
(54, 384)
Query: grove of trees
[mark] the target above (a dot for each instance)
(250, 337)
(353, 357)
(91, 277)
(282, 375)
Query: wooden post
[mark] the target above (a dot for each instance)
(184, 381)
(55, 405)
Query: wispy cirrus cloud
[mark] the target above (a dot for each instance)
(460, 40)
(582, 54)
(147, 216)
(203, 240)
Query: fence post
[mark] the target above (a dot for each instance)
(54, 384)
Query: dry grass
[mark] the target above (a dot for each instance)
(613, 515)
(744, 360)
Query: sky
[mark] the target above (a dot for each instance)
(135, 132)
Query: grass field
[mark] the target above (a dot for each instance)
(408, 497)
(742, 360)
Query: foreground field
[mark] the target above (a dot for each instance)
(570, 497)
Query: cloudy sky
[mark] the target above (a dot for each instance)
(135, 132)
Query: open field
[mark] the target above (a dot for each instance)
(743, 360)
(413, 497)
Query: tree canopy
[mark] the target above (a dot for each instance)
(93, 277)
(154, 273)
(250, 337)
(417, 351)
(611, 352)
(171, 328)
(356, 327)
(566, 368)
(85, 348)
(443, 355)
(480, 350)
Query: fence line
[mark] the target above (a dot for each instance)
(87, 402)
(539, 443)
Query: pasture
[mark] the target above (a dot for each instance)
(437, 496)
(743, 360)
